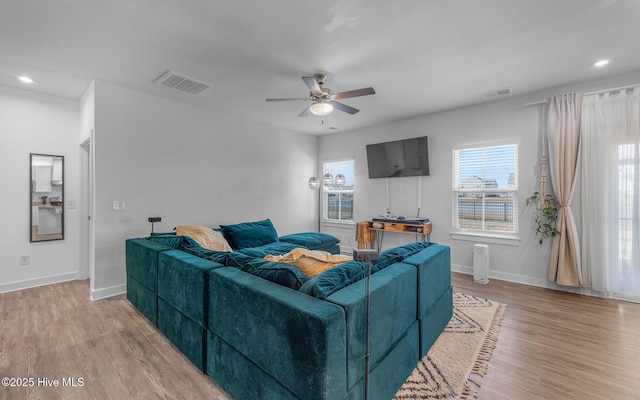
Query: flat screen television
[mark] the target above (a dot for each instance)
(408, 157)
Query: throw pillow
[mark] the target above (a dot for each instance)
(276, 272)
(206, 237)
(250, 234)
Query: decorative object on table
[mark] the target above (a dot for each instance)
(452, 368)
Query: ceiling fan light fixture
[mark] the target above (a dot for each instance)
(321, 108)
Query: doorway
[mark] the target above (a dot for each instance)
(87, 207)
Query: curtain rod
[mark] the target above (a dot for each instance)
(535, 103)
(612, 90)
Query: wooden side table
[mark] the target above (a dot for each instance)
(422, 231)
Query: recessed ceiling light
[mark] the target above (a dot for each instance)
(601, 63)
(25, 79)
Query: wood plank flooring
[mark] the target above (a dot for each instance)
(558, 345)
(56, 332)
(552, 345)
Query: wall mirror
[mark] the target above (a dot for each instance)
(46, 196)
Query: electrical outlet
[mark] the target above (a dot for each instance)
(25, 260)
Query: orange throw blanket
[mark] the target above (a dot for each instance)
(310, 262)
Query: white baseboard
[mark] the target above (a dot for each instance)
(531, 281)
(99, 294)
(31, 283)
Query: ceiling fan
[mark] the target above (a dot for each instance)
(324, 100)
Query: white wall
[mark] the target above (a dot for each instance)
(33, 123)
(505, 120)
(189, 165)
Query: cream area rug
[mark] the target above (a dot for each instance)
(452, 368)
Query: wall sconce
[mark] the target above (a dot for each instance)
(327, 180)
(314, 183)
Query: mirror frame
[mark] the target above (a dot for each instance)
(32, 235)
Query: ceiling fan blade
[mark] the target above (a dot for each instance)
(288, 99)
(354, 93)
(307, 111)
(344, 107)
(312, 84)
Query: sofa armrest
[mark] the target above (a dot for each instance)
(296, 339)
(434, 274)
(142, 261)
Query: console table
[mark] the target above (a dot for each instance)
(422, 231)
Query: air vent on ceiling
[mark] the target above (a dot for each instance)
(496, 93)
(182, 83)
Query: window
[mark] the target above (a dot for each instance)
(338, 200)
(485, 189)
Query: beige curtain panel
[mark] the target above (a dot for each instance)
(563, 132)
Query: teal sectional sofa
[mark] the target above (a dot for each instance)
(261, 330)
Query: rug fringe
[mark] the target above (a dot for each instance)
(486, 351)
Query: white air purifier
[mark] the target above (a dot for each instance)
(481, 263)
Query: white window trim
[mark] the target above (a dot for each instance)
(496, 237)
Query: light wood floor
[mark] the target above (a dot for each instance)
(553, 345)
(557, 345)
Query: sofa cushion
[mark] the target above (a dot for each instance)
(341, 276)
(276, 272)
(143, 298)
(250, 234)
(402, 252)
(184, 333)
(275, 248)
(310, 262)
(206, 237)
(190, 246)
(168, 239)
(311, 240)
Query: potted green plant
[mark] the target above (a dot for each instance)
(546, 217)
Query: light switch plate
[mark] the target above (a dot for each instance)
(118, 205)
(71, 204)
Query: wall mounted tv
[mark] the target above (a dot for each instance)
(408, 157)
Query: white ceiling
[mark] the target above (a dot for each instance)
(420, 56)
